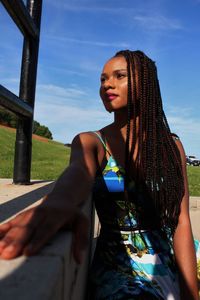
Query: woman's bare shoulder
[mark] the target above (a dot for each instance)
(179, 146)
(85, 139)
(87, 145)
(88, 140)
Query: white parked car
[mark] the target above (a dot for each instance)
(192, 160)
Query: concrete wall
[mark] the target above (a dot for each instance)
(195, 216)
(53, 273)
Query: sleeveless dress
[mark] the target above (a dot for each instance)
(129, 263)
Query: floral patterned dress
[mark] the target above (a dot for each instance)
(129, 263)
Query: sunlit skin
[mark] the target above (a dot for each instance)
(113, 89)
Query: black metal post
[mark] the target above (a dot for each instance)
(23, 145)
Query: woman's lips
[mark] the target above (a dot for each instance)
(111, 97)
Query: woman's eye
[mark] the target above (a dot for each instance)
(120, 75)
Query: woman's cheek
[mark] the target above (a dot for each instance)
(101, 93)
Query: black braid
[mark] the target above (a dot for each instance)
(158, 161)
(127, 156)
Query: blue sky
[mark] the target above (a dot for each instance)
(78, 36)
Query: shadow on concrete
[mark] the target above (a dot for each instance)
(52, 274)
(17, 204)
(36, 181)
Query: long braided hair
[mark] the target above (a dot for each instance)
(158, 161)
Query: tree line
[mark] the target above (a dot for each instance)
(10, 119)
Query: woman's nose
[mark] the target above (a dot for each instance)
(109, 83)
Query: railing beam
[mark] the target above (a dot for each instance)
(18, 12)
(11, 102)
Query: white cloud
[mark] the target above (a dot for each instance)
(11, 83)
(88, 7)
(60, 92)
(11, 80)
(157, 22)
(89, 65)
(184, 112)
(68, 111)
(144, 15)
(188, 129)
(185, 126)
(65, 40)
(66, 121)
(64, 70)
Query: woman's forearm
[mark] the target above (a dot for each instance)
(71, 189)
(186, 261)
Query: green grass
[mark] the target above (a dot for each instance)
(7, 142)
(194, 180)
(50, 158)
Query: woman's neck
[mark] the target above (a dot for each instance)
(120, 124)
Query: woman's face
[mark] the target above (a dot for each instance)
(114, 84)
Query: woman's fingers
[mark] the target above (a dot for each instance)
(13, 242)
(29, 231)
(4, 228)
(17, 232)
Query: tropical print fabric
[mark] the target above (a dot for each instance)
(129, 263)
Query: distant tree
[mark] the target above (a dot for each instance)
(42, 130)
(10, 119)
(7, 118)
(36, 125)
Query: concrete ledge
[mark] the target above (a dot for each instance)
(194, 202)
(53, 273)
(23, 278)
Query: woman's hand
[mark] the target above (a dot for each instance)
(30, 230)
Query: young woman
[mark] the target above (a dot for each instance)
(136, 170)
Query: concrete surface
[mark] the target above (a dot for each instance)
(36, 278)
(52, 274)
(195, 216)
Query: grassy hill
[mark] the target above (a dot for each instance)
(49, 159)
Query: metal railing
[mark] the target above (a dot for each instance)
(27, 18)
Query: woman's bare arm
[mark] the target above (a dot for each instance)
(31, 229)
(184, 243)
